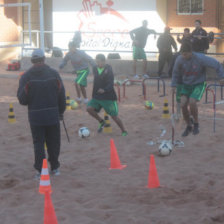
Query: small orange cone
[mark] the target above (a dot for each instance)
(49, 212)
(45, 184)
(153, 181)
(114, 158)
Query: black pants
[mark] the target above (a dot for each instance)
(51, 135)
(163, 58)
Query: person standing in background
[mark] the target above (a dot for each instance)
(165, 43)
(139, 37)
(200, 41)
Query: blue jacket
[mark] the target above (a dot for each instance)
(41, 88)
(192, 71)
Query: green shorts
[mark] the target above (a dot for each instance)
(178, 92)
(82, 77)
(138, 53)
(110, 106)
(194, 91)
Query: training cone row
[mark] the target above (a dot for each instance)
(68, 106)
(166, 113)
(11, 115)
(45, 188)
(107, 127)
(114, 158)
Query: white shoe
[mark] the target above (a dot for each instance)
(146, 76)
(136, 77)
(85, 101)
(37, 176)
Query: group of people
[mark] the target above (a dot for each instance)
(42, 89)
(198, 39)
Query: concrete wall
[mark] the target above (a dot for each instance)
(161, 6)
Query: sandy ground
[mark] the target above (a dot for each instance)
(87, 192)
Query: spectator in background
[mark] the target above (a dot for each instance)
(200, 41)
(187, 37)
(165, 43)
(139, 37)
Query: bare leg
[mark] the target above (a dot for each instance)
(94, 114)
(83, 90)
(144, 66)
(77, 90)
(185, 111)
(118, 121)
(194, 109)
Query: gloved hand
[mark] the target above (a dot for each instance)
(61, 117)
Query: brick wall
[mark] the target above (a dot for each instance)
(208, 18)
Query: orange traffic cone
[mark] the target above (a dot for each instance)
(45, 184)
(114, 158)
(153, 181)
(49, 212)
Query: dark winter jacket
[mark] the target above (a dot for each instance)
(200, 45)
(165, 43)
(41, 88)
(104, 81)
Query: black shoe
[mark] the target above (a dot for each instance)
(187, 131)
(195, 129)
(101, 125)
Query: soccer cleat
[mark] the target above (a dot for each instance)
(79, 100)
(101, 125)
(56, 172)
(187, 131)
(124, 133)
(195, 129)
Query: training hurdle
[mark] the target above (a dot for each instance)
(214, 106)
(118, 92)
(209, 88)
(158, 85)
(131, 81)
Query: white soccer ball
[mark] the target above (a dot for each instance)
(84, 132)
(165, 148)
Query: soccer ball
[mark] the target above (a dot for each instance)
(74, 104)
(84, 132)
(165, 148)
(149, 105)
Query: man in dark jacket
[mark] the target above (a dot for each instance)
(139, 37)
(42, 90)
(200, 41)
(165, 43)
(104, 95)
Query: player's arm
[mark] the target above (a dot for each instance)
(65, 61)
(22, 92)
(89, 59)
(132, 34)
(213, 63)
(173, 43)
(61, 95)
(176, 72)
